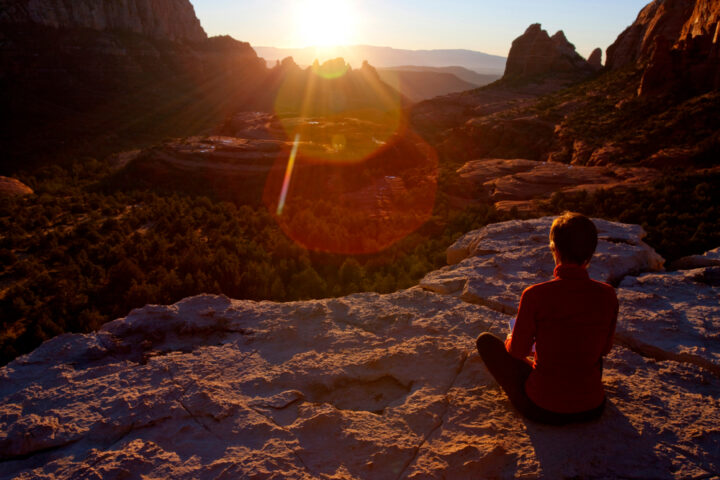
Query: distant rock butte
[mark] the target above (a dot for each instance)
(167, 19)
(595, 59)
(535, 53)
(12, 187)
(370, 386)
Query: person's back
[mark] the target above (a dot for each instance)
(573, 325)
(571, 321)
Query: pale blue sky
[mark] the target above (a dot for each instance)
(487, 26)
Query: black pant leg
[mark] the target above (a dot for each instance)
(507, 370)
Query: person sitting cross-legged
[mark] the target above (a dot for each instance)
(570, 320)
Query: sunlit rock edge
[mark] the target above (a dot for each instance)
(373, 386)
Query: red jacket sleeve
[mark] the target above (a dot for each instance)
(611, 335)
(520, 342)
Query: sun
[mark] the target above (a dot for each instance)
(325, 23)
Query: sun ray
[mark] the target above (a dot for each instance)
(288, 175)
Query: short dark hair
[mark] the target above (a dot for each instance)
(574, 236)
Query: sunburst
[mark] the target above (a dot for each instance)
(325, 23)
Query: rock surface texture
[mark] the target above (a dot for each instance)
(536, 53)
(370, 386)
(166, 19)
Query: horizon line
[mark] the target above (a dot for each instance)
(380, 46)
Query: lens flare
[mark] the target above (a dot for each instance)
(360, 179)
(288, 175)
(323, 101)
(356, 208)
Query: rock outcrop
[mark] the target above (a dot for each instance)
(595, 59)
(81, 77)
(494, 265)
(13, 187)
(676, 42)
(659, 19)
(165, 19)
(535, 53)
(519, 182)
(367, 386)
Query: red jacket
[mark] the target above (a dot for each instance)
(571, 319)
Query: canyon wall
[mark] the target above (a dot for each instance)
(166, 19)
(94, 77)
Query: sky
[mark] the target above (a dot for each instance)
(481, 25)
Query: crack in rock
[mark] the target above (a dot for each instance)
(287, 445)
(441, 421)
(25, 456)
(197, 420)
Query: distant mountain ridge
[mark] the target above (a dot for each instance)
(383, 57)
(462, 73)
(418, 85)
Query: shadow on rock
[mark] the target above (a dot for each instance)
(609, 447)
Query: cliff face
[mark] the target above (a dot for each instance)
(93, 77)
(167, 19)
(536, 53)
(676, 41)
(664, 18)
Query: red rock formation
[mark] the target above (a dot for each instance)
(661, 18)
(167, 19)
(676, 41)
(75, 71)
(595, 59)
(536, 53)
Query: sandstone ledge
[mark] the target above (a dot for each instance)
(364, 386)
